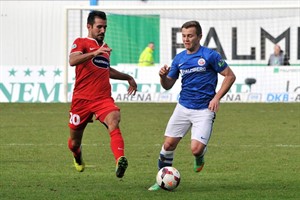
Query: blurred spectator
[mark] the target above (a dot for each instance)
(278, 57)
(146, 57)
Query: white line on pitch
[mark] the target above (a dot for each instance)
(216, 145)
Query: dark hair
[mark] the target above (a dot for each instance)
(93, 14)
(195, 24)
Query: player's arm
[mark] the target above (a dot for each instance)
(77, 58)
(115, 74)
(229, 79)
(165, 81)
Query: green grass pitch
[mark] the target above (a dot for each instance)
(254, 153)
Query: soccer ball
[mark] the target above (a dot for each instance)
(168, 178)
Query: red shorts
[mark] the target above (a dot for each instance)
(82, 111)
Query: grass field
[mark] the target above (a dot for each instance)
(254, 153)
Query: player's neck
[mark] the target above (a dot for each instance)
(100, 42)
(194, 50)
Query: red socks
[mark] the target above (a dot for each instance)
(117, 143)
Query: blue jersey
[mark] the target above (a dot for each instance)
(199, 73)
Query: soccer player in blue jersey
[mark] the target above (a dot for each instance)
(198, 102)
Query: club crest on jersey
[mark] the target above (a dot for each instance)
(74, 46)
(201, 62)
(100, 62)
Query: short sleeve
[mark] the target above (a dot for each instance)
(77, 46)
(218, 63)
(174, 71)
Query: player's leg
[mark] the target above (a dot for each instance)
(198, 150)
(108, 113)
(177, 128)
(79, 117)
(166, 154)
(201, 132)
(112, 120)
(74, 144)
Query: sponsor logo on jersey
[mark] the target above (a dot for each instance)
(100, 62)
(221, 63)
(201, 62)
(192, 70)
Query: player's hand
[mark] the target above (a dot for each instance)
(214, 105)
(102, 50)
(164, 71)
(132, 86)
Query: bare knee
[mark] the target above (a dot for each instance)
(197, 148)
(75, 139)
(73, 144)
(113, 124)
(170, 144)
(196, 151)
(112, 120)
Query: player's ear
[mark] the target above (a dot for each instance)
(89, 26)
(200, 36)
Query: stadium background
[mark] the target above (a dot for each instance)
(36, 36)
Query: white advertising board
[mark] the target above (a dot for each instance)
(46, 84)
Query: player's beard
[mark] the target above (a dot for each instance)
(100, 38)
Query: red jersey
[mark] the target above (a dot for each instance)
(92, 76)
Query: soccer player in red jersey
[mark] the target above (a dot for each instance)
(92, 91)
